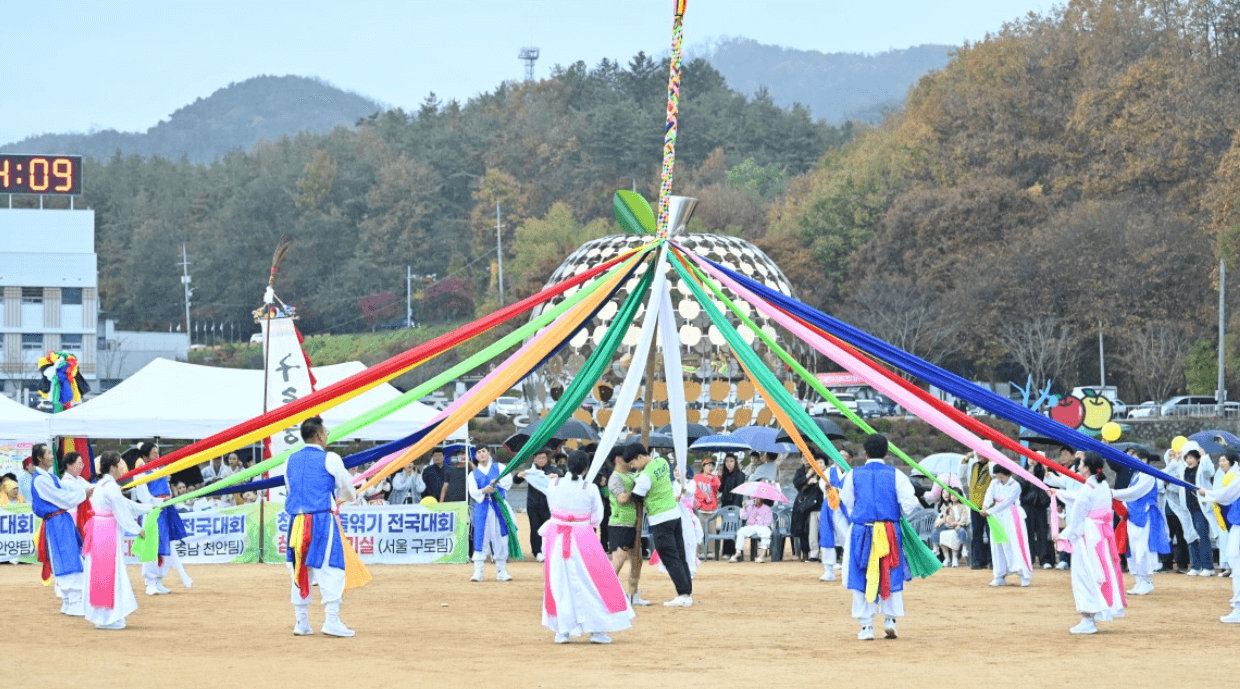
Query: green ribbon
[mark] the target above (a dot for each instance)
(146, 545)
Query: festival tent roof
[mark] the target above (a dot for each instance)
(19, 422)
(172, 399)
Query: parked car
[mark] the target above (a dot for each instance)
(510, 406)
(825, 408)
(1197, 405)
(869, 409)
(1145, 410)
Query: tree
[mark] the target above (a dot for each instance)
(1045, 346)
(897, 309)
(1155, 355)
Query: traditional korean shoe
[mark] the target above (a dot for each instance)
(1143, 588)
(337, 628)
(159, 586)
(302, 628)
(152, 590)
(1233, 618)
(866, 634)
(503, 576)
(111, 627)
(1086, 626)
(998, 581)
(889, 628)
(1026, 581)
(476, 577)
(599, 638)
(74, 609)
(561, 638)
(827, 575)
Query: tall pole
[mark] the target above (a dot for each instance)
(1222, 336)
(1102, 359)
(499, 252)
(408, 296)
(185, 280)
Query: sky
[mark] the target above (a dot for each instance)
(127, 64)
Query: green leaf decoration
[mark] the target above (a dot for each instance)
(633, 213)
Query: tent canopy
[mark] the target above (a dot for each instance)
(19, 422)
(172, 399)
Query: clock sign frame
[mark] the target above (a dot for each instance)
(51, 175)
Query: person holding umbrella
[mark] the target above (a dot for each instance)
(875, 566)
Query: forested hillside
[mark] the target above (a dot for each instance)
(236, 116)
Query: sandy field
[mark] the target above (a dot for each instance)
(771, 624)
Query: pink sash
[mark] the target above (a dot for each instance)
(1020, 537)
(601, 574)
(100, 544)
(1108, 555)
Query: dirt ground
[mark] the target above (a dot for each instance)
(771, 624)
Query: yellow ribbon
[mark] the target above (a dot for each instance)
(879, 548)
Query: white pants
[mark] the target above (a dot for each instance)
(492, 539)
(330, 579)
(814, 518)
(153, 572)
(863, 611)
(1141, 561)
(70, 587)
(762, 533)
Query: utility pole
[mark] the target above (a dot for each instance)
(1222, 337)
(408, 296)
(1102, 359)
(499, 251)
(185, 280)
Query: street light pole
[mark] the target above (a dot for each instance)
(499, 252)
(1222, 336)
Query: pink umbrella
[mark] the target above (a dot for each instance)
(762, 490)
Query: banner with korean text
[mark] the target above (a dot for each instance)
(393, 534)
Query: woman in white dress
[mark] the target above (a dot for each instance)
(1003, 501)
(1097, 581)
(1228, 497)
(109, 594)
(582, 594)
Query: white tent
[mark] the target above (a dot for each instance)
(171, 399)
(19, 422)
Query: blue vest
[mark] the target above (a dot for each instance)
(41, 507)
(159, 487)
(1233, 513)
(310, 487)
(1139, 510)
(874, 488)
(490, 504)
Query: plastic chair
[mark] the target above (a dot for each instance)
(781, 529)
(923, 523)
(729, 523)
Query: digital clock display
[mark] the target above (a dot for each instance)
(36, 174)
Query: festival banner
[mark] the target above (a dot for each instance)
(393, 534)
(17, 528)
(288, 380)
(214, 537)
(12, 452)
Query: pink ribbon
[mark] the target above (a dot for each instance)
(100, 543)
(1020, 537)
(1108, 554)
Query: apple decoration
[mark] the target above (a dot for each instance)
(1097, 410)
(1070, 412)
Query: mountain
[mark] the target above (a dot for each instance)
(836, 87)
(237, 116)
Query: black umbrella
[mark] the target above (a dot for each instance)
(827, 426)
(573, 428)
(1124, 447)
(1039, 440)
(696, 430)
(658, 440)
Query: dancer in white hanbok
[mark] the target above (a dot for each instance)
(109, 595)
(1097, 581)
(581, 594)
(487, 492)
(1003, 501)
(1229, 498)
(1147, 528)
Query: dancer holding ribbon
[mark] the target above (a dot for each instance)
(875, 566)
(491, 527)
(1097, 582)
(1229, 498)
(582, 595)
(58, 541)
(109, 597)
(171, 528)
(1012, 556)
(315, 479)
(1147, 527)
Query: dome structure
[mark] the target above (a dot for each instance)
(717, 391)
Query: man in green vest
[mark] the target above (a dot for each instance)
(622, 527)
(654, 487)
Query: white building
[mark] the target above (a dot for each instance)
(49, 278)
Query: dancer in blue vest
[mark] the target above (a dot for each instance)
(833, 523)
(60, 544)
(1147, 527)
(875, 566)
(490, 529)
(1229, 497)
(315, 478)
(171, 528)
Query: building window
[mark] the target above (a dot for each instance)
(71, 296)
(32, 295)
(71, 343)
(30, 342)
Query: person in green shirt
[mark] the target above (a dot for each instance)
(622, 528)
(653, 487)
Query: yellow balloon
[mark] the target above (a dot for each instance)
(429, 501)
(1178, 442)
(1111, 431)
